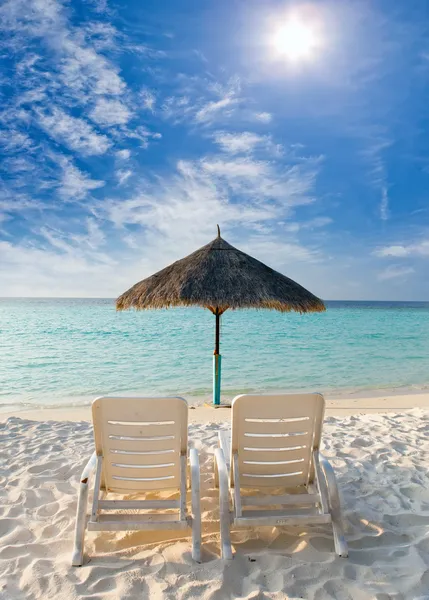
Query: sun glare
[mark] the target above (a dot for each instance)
(295, 40)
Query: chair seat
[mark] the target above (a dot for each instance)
(136, 522)
(279, 518)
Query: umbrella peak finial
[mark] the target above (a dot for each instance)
(218, 231)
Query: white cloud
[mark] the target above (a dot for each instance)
(74, 184)
(177, 108)
(79, 243)
(148, 99)
(396, 250)
(263, 117)
(316, 223)
(110, 112)
(15, 141)
(420, 248)
(12, 202)
(384, 204)
(244, 142)
(123, 154)
(76, 133)
(376, 144)
(223, 106)
(27, 63)
(186, 204)
(289, 185)
(59, 269)
(100, 5)
(403, 250)
(139, 132)
(32, 17)
(236, 169)
(18, 165)
(123, 175)
(93, 238)
(213, 110)
(179, 212)
(84, 71)
(277, 252)
(101, 36)
(206, 103)
(395, 272)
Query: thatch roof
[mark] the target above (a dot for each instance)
(219, 276)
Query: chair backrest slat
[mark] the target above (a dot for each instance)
(141, 440)
(274, 436)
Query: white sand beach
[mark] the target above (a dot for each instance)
(378, 446)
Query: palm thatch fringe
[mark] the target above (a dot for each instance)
(219, 276)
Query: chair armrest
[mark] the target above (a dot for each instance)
(224, 513)
(221, 468)
(194, 463)
(331, 480)
(334, 504)
(89, 468)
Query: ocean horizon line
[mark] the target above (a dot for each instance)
(113, 298)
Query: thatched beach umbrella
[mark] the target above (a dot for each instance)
(219, 276)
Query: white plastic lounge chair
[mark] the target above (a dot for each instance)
(275, 444)
(141, 445)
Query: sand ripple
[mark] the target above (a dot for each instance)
(381, 463)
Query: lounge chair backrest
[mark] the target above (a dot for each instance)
(140, 440)
(274, 436)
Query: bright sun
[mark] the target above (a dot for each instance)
(295, 40)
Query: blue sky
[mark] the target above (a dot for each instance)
(129, 129)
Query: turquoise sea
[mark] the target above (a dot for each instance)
(64, 352)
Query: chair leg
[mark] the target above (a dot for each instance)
(339, 539)
(334, 507)
(79, 541)
(79, 536)
(215, 473)
(196, 504)
(225, 536)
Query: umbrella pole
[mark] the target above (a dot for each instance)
(217, 359)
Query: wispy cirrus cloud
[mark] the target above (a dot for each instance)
(245, 142)
(226, 99)
(83, 247)
(123, 154)
(384, 204)
(263, 117)
(12, 202)
(395, 272)
(207, 103)
(81, 69)
(404, 250)
(74, 184)
(291, 185)
(245, 195)
(109, 112)
(75, 133)
(123, 175)
(87, 178)
(376, 144)
(147, 98)
(58, 266)
(64, 76)
(89, 239)
(315, 223)
(13, 140)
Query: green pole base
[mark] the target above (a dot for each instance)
(217, 361)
